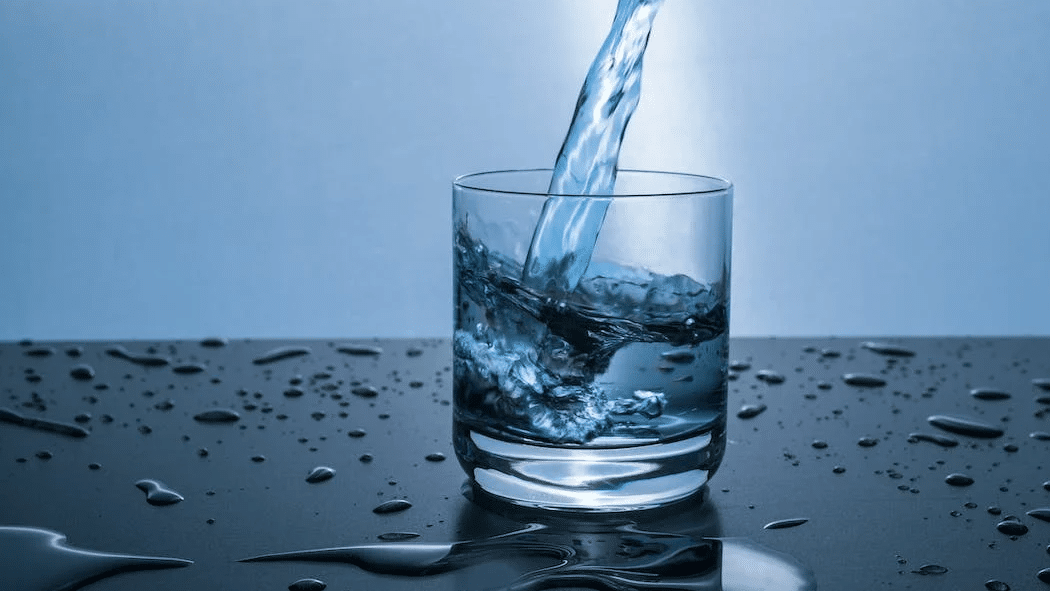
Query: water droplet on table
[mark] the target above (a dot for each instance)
(356, 433)
(739, 365)
(1012, 528)
(392, 506)
(838, 470)
(940, 440)
(989, 394)
(189, 368)
(40, 352)
(307, 585)
(785, 523)
(1040, 435)
(1044, 575)
(965, 426)
(750, 411)
(994, 585)
(863, 380)
(867, 442)
(819, 444)
(9, 416)
(957, 479)
(120, 352)
(769, 376)
(157, 494)
(1042, 513)
(1041, 383)
(360, 350)
(320, 474)
(365, 391)
(280, 354)
(398, 536)
(930, 569)
(435, 457)
(82, 372)
(888, 349)
(213, 342)
(217, 415)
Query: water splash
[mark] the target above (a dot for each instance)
(33, 559)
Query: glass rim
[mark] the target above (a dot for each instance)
(723, 185)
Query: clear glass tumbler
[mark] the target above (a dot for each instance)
(591, 377)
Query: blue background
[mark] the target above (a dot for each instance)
(176, 169)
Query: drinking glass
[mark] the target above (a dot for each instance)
(591, 378)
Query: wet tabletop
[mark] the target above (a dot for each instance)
(925, 466)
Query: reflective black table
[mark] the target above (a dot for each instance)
(99, 441)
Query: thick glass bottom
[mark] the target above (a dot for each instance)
(590, 479)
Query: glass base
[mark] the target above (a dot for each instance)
(598, 480)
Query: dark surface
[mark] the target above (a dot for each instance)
(874, 526)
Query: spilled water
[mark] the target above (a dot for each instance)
(34, 559)
(623, 558)
(9, 416)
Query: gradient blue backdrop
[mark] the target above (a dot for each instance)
(185, 168)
